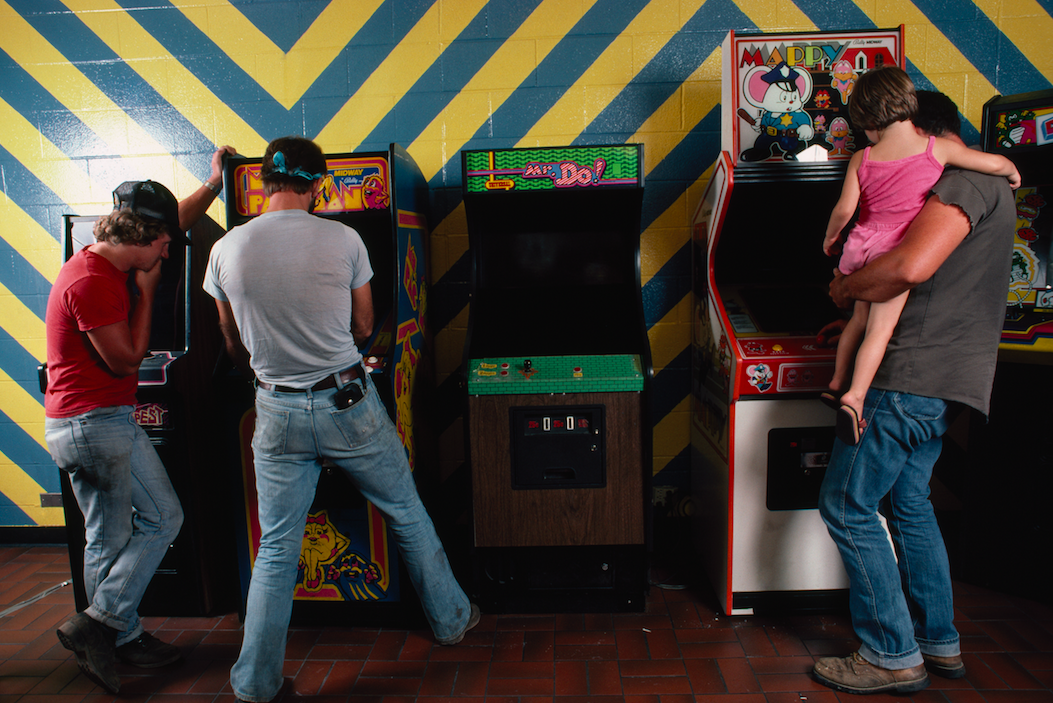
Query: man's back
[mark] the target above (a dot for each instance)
(946, 343)
(288, 276)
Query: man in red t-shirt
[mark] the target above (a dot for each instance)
(97, 336)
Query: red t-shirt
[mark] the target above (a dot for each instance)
(89, 293)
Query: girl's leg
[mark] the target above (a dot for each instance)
(851, 337)
(880, 325)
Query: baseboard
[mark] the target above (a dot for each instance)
(36, 536)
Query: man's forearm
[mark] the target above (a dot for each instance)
(879, 281)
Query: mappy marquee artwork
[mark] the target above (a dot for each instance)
(793, 93)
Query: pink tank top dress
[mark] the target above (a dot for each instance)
(891, 194)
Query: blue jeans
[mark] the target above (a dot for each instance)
(899, 609)
(293, 431)
(131, 512)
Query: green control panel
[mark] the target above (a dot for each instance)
(608, 373)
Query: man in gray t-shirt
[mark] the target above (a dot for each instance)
(294, 301)
(955, 260)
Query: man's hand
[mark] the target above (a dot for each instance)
(837, 293)
(148, 281)
(830, 334)
(217, 162)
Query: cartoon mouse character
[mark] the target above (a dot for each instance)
(780, 94)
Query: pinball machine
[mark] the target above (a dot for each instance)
(558, 371)
(761, 438)
(361, 579)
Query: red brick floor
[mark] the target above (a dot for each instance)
(681, 649)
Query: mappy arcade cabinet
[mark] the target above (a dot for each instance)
(351, 571)
(760, 437)
(558, 369)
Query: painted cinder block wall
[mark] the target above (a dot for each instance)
(95, 92)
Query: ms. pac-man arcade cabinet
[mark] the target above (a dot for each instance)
(760, 437)
(351, 569)
(558, 370)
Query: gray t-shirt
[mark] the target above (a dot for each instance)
(288, 277)
(946, 343)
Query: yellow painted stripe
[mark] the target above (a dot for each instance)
(1028, 26)
(671, 335)
(22, 324)
(46, 161)
(777, 16)
(403, 67)
(27, 411)
(29, 239)
(934, 55)
(494, 83)
(142, 156)
(286, 77)
(172, 81)
(24, 492)
(603, 81)
(671, 435)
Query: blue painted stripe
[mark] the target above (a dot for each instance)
(456, 66)
(20, 365)
(665, 73)
(282, 23)
(970, 134)
(11, 515)
(667, 287)
(117, 81)
(984, 45)
(671, 385)
(23, 450)
(834, 16)
(40, 108)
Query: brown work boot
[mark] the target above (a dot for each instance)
(93, 644)
(148, 652)
(947, 667)
(854, 674)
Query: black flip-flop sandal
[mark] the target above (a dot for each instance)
(847, 427)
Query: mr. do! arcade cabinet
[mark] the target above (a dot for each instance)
(350, 567)
(761, 439)
(558, 368)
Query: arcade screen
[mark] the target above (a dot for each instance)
(770, 249)
(568, 274)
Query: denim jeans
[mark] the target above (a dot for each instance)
(900, 609)
(131, 512)
(293, 431)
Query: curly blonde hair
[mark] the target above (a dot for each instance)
(126, 227)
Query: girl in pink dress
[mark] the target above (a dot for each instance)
(889, 181)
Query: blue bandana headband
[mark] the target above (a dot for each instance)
(279, 167)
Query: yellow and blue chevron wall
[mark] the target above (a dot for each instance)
(95, 92)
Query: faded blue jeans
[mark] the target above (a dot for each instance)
(131, 512)
(293, 432)
(900, 609)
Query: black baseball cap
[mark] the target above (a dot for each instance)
(151, 199)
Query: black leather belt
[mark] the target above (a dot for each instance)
(347, 375)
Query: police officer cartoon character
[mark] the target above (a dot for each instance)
(783, 125)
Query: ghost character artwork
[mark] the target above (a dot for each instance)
(779, 93)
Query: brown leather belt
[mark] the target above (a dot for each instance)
(347, 375)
